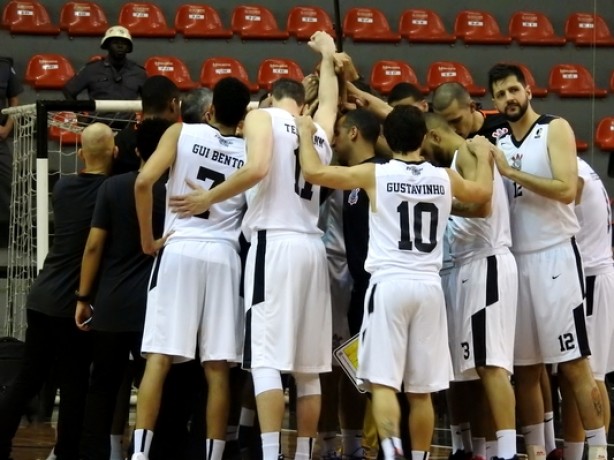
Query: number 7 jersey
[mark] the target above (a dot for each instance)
(283, 201)
(413, 203)
(207, 158)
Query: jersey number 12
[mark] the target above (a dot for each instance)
(419, 211)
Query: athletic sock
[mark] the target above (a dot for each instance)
(506, 443)
(573, 450)
(142, 441)
(351, 443)
(392, 448)
(465, 428)
(116, 447)
(271, 445)
(327, 442)
(214, 449)
(596, 437)
(304, 448)
(550, 443)
(457, 438)
(479, 447)
(419, 455)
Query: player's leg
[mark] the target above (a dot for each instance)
(573, 432)
(218, 406)
(351, 418)
(329, 413)
(308, 403)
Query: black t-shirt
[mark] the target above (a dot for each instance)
(119, 305)
(53, 291)
(127, 160)
(495, 125)
(356, 230)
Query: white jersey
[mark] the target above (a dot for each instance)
(537, 222)
(331, 223)
(208, 158)
(413, 202)
(481, 237)
(283, 201)
(595, 216)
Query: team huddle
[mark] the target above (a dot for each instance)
(462, 248)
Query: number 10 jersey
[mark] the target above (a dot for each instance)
(413, 203)
(207, 158)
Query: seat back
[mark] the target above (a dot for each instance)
(28, 17)
(536, 91)
(64, 128)
(387, 73)
(83, 18)
(365, 21)
(604, 136)
(171, 67)
(572, 80)
(533, 28)
(273, 69)
(479, 27)
(200, 21)
(304, 21)
(588, 29)
(144, 19)
(422, 25)
(48, 71)
(254, 22)
(446, 71)
(216, 68)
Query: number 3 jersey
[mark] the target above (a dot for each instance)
(207, 158)
(283, 201)
(413, 203)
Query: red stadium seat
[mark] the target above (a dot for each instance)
(604, 137)
(216, 68)
(536, 91)
(368, 25)
(271, 70)
(447, 71)
(254, 22)
(479, 28)
(587, 29)
(533, 29)
(200, 21)
(612, 82)
(83, 19)
(48, 71)
(303, 21)
(386, 74)
(145, 20)
(28, 17)
(423, 26)
(173, 68)
(581, 146)
(63, 128)
(573, 80)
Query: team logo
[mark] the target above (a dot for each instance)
(414, 170)
(538, 133)
(500, 132)
(517, 161)
(353, 197)
(222, 141)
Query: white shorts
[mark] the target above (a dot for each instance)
(487, 290)
(288, 324)
(600, 322)
(404, 336)
(193, 300)
(340, 293)
(550, 321)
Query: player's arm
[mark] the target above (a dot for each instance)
(8, 126)
(90, 265)
(563, 163)
(258, 135)
(328, 90)
(478, 190)
(374, 104)
(162, 159)
(467, 167)
(579, 190)
(334, 177)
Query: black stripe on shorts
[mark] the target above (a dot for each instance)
(478, 319)
(590, 294)
(581, 334)
(258, 288)
(576, 253)
(154, 276)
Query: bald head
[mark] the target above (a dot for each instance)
(447, 93)
(97, 144)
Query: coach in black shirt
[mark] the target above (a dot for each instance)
(51, 335)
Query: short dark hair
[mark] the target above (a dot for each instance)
(148, 135)
(230, 100)
(365, 121)
(404, 90)
(404, 128)
(436, 121)
(157, 93)
(286, 87)
(501, 71)
(446, 93)
(194, 104)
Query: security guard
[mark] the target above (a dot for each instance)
(113, 78)
(10, 88)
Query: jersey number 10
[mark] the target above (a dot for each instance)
(419, 210)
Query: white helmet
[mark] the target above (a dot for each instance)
(116, 32)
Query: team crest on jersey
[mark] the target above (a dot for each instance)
(517, 161)
(538, 133)
(500, 132)
(222, 141)
(353, 197)
(414, 170)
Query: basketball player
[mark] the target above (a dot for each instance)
(594, 214)
(405, 311)
(193, 294)
(288, 323)
(486, 284)
(538, 157)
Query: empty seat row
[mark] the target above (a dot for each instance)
(52, 71)
(145, 19)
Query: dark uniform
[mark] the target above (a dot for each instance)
(495, 125)
(10, 87)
